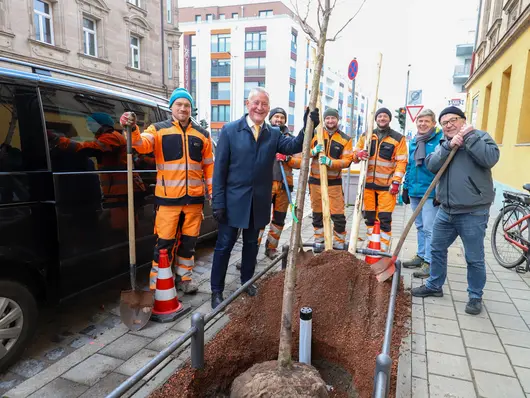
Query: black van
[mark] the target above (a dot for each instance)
(62, 229)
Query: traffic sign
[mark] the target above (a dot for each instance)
(414, 111)
(353, 69)
(415, 97)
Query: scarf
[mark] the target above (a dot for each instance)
(421, 139)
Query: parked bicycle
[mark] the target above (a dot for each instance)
(510, 239)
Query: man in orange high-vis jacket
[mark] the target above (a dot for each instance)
(184, 159)
(338, 154)
(280, 201)
(387, 162)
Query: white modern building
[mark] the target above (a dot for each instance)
(228, 50)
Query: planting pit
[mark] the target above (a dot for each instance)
(349, 315)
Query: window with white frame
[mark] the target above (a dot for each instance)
(170, 63)
(169, 11)
(135, 52)
(209, 17)
(222, 17)
(90, 44)
(235, 15)
(137, 3)
(198, 18)
(265, 13)
(43, 21)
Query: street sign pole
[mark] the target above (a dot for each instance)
(406, 99)
(352, 134)
(353, 68)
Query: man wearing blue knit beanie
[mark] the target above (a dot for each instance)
(184, 160)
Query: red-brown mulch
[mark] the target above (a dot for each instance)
(349, 315)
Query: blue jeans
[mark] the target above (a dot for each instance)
(424, 223)
(226, 239)
(471, 227)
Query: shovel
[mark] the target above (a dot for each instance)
(385, 268)
(135, 305)
(303, 255)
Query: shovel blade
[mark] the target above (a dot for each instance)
(303, 257)
(135, 308)
(383, 269)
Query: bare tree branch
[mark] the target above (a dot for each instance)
(334, 4)
(319, 10)
(303, 20)
(347, 23)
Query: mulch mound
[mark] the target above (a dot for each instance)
(349, 315)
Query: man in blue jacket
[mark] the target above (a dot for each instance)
(417, 180)
(465, 192)
(242, 185)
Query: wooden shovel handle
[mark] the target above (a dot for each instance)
(130, 199)
(422, 202)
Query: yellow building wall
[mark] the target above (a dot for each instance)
(507, 84)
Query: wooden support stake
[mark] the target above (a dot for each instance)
(357, 214)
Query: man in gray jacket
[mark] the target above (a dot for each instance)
(466, 193)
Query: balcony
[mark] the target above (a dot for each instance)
(291, 96)
(293, 47)
(461, 74)
(220, 47)
(464, 49)
(341, 96)
(260, 72)
(293, 73)
(321, 87)
(330, 93)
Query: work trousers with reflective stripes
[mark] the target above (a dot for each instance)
(280, 204)
(379, 205)
(177, 229)
(336, 206)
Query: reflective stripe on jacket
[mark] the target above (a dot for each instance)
(388, 159)
(339, 150)
(184, 161)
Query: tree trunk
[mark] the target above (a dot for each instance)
(286, 332)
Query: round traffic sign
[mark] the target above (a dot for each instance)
(353, 69)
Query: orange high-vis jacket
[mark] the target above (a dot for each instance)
(339, 150)
(184, 161)
(294, 163)
(387, 162)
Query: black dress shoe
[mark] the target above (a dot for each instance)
(217, 298)
(252, 290)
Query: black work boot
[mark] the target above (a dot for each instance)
(474, 306)
(424, 291)
(217, 298)
(318, 248)
(415, 262)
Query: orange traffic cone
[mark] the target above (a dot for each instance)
(167, 307)
(374, 244)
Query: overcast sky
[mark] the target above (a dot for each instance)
(423, 33)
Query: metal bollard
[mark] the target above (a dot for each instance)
(285, 250)
(383, 364)
(197, 341)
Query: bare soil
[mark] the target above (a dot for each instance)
(349, 315)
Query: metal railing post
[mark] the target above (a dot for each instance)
(197, 341)
(285, 251)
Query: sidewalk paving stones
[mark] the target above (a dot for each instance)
(445, 387)
(496, 386)
(91, 370)
(448, 365)
(484, 341)
(509, 322)
(490, 361)
(445, 344)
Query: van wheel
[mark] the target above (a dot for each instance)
(18, 321)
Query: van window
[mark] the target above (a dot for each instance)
(83, 129)
(21, 132)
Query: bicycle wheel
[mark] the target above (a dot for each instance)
(506, 253)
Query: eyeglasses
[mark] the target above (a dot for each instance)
(450, 121)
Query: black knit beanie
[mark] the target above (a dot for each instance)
(277, 110)
(452, 110)
(383, 110)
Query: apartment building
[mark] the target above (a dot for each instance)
(130, 42)
(228, 50)
(499, 85)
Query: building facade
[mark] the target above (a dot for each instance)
(228, 50)
(130, 42)
(499, 85)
